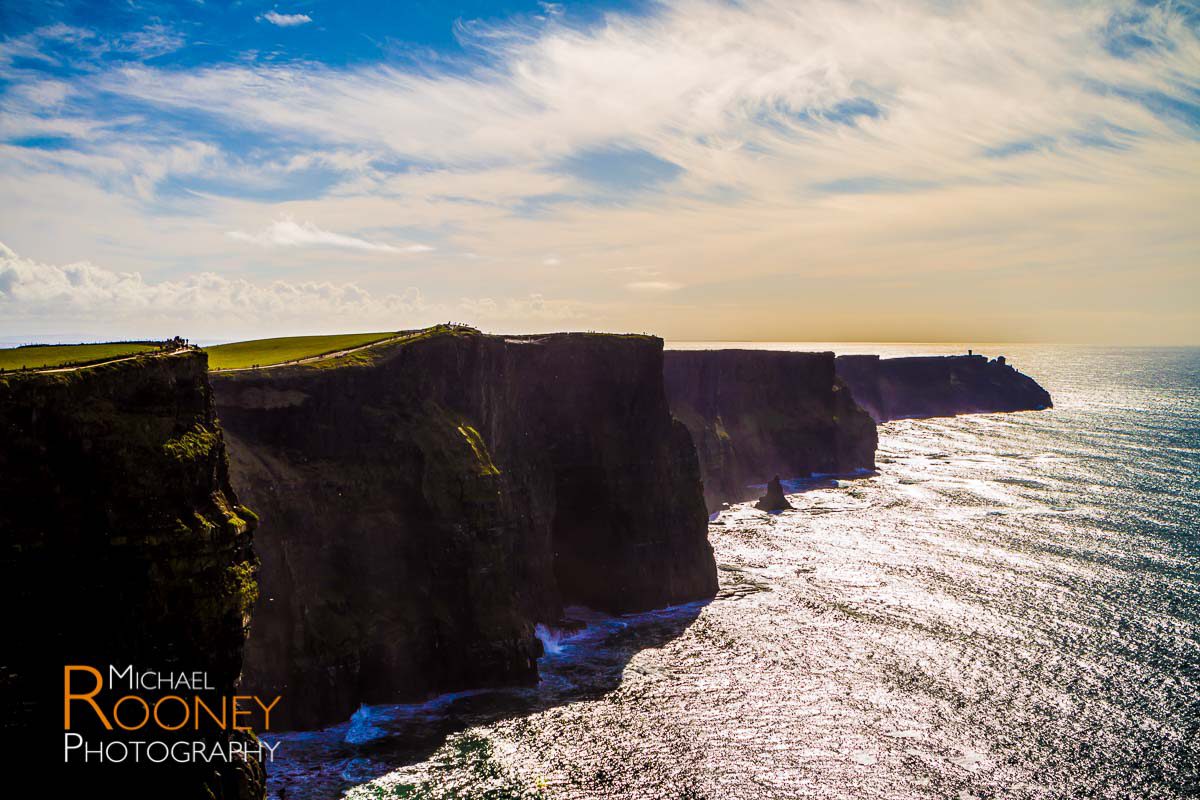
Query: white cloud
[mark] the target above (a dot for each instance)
(99, 302)
(151, 41)
(44, 44)
(730, 91)
(525, 312)
(31, 288)
(289, 233)
(30, 45)
(284, 20)
(653, 286)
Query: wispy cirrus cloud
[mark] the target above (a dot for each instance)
(653, 286)
(706, 80)
(284, 20)
(82, 48)
(289, 233)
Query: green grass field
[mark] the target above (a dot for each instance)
(66, 354)
(264, 352)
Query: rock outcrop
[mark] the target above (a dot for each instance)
(425, 503)
(123, 545)
(938, 386)
(758, 413)
(774, 499)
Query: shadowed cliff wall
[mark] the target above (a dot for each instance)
(938, 386)
(123, 544)
(425, 503)
(755, 414)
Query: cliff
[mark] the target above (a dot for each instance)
(755, 414)
(123, 544)
(426, 502)
(939, 386)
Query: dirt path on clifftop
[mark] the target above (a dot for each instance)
(78, 367)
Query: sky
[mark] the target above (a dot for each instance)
(831, 170)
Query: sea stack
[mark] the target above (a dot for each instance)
(774, 499)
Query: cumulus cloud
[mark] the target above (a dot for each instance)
(100, 302)
(289, 233)
(284, 20)
(31, 288)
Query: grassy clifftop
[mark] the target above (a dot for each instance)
(281, 350)
(356, 349)
(61, 355)
(333, 350)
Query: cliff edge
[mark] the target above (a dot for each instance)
(427, 501)
(123, 544)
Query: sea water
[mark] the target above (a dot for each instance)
(1006, 609)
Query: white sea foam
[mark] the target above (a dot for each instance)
(362, 728)
(551, 639)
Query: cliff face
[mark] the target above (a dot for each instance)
(425, 503)
(755, 414)
(938, 386)
(123, 544)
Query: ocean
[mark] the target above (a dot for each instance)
(1008, 608)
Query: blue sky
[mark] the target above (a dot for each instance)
(334, 33)
(772, 169)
